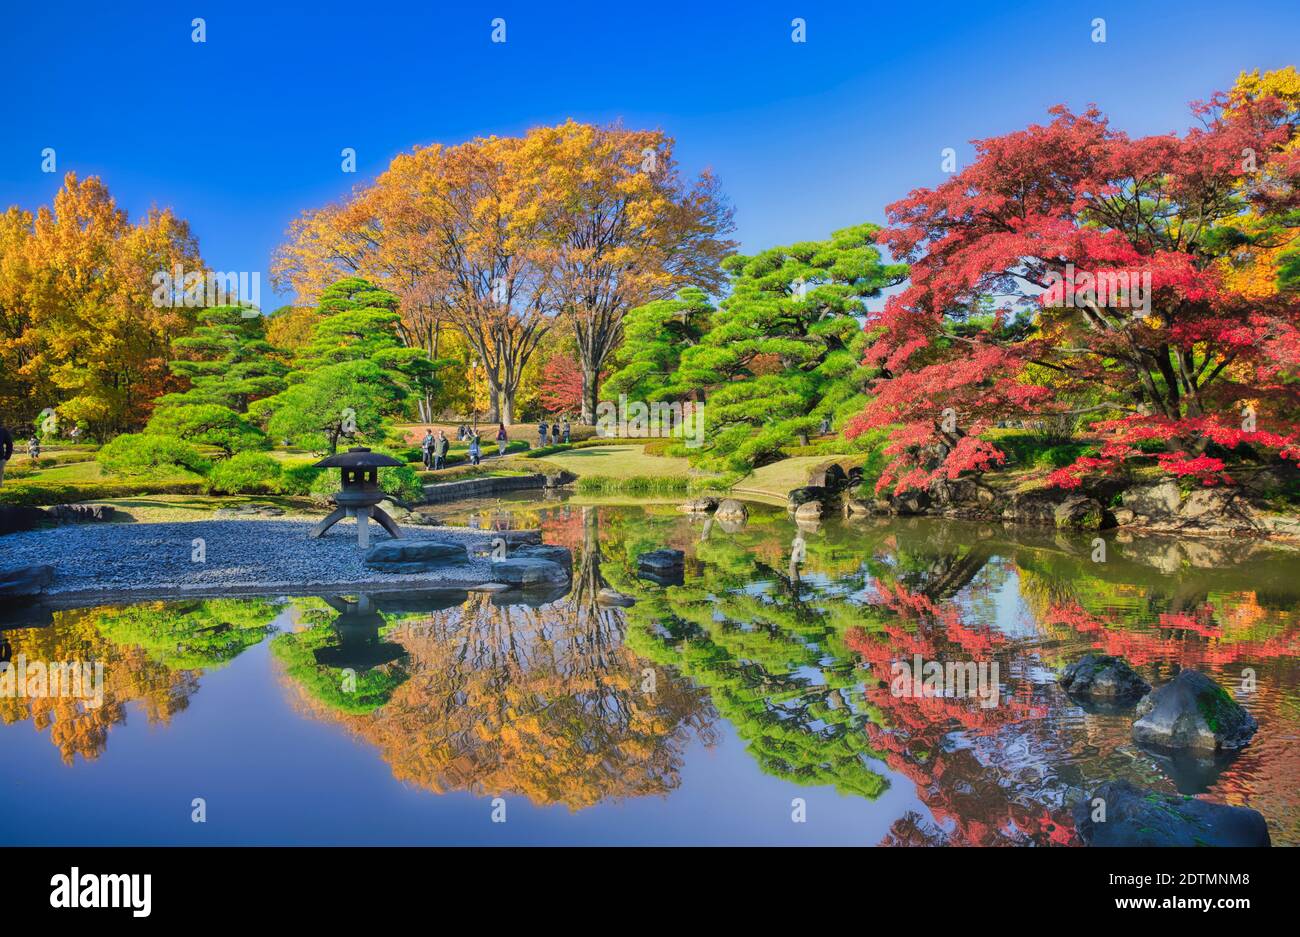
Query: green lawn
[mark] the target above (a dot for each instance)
(780, 478)
(624, 461)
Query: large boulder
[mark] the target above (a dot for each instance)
(1079, 512)
(1033, 507)
(15, 518)
(1154, 499)
(732, 510)
(414, 556)
(81, 513)
(1137, 817)
(1105, 679)
(529, 571)
(910, 502)
(833, 478)
(1193, 712)
(23, 582)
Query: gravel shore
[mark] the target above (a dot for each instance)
(240, 556)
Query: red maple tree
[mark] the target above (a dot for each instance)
(1037, 208)
(561, 390)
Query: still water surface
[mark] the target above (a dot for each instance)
(719, 710)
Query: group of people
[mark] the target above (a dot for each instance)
(7, 449)
(555, 433)
(434, 448)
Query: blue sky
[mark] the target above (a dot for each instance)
(241, 133)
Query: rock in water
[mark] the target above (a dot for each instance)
(703, 505)
(808, 511)
(662, 561)
(415, 556)
(807, 493)
(1137, 817)
(732, 510)
(527, 571)
(1104, 678)
(21, 582)
(545, 551)
(1193, 712)
(614, 597)
(1079, 512)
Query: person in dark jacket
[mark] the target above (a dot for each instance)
(6, 451)
(440, 446)
(566, 431)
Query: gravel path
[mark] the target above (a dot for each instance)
(241, 556)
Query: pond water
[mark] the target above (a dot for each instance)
(751, 703)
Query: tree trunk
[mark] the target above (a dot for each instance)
(590, 396)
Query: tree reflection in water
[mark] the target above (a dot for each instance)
(788, 634)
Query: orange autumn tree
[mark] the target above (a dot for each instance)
(622, 227)
(500, 236)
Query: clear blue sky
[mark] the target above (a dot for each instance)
(241, 133)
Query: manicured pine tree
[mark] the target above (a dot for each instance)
(782, 352)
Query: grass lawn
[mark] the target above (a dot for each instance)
(160, 509)
(778, 479)
(629, 461)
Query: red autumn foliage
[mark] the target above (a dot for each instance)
(1073, 195)
(561, 390)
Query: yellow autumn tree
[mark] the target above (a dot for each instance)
(1255, 268)
(80, 331)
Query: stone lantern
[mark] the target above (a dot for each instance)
(360, 494)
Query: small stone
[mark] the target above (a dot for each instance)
(614, 597)
(662, 561)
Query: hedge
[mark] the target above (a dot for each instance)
(35, 495)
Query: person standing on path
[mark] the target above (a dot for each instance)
(6, 450)
(440, 446)
(426, 448)
(502, 439)
(541, 435)
(566, 430)
(475, 451)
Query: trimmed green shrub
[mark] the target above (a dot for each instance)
(296, 478)
(208, 424)
(245, 473)
(149, 456)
